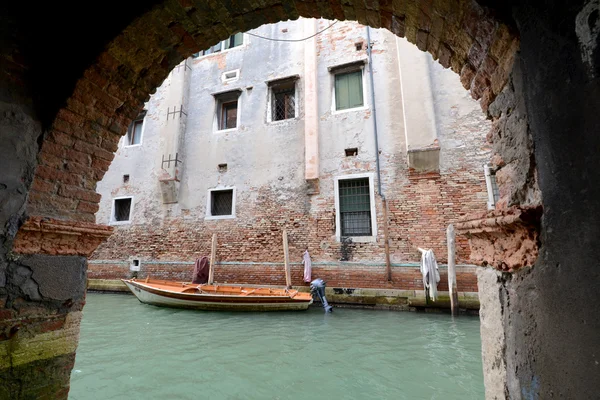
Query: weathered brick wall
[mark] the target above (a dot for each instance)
(342, 275)
(418, 218)
(420, 208)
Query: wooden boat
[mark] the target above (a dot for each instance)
(217, 297)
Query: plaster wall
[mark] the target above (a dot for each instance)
(266, 160)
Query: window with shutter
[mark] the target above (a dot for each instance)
(348, 90)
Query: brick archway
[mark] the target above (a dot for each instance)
(78, 147)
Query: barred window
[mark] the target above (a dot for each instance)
(355, 207)
(121, 210)
(283, 101)
(221, 202)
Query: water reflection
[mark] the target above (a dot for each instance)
(128, 350)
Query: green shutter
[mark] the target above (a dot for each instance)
(237, 39)
(355, 89)
(348, 90)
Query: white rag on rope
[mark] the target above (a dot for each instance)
(307, 266)
(430, 272)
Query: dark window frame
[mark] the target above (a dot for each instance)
(224, 119)
(122, 206)
(224, 102)
(354, 196)
(283, 101)
(221, 201)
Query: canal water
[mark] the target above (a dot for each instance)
(129, 350)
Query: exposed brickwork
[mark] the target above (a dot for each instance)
(81, 142)
(505, 239)
(346, 276)
(55, 237)
(420, 208)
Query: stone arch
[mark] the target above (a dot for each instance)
(80, 142)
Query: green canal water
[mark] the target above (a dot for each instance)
(129, 350)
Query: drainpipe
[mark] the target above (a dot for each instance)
(388, 266)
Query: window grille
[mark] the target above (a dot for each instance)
(221, 202)
(122, 209)
(495, 190)
(355, 207)
(284, 103)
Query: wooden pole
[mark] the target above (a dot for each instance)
(286, 260)
(213, 259)
(452, 270)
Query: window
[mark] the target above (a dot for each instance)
(348, 90)
(134, 133)
(227, 110)
(351, 152)
(233, 41)
(121, 211)
(283, 101)
(135, 265)
(221, 203)
(228, 118)
(230, 76)
(492, 186)
(355, 208)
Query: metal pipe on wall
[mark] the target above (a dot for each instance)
(388, 265)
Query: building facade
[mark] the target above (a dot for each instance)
(361, 158)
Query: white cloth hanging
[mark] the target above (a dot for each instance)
(307, 266)
(430, 272)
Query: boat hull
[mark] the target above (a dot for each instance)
(214, 302)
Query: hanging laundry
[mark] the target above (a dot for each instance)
(307, 266)
(430, 272)
(201, 269)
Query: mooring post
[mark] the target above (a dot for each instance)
(286, 260)
(452, 270)
(213, 259)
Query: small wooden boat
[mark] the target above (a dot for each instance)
(217, 297)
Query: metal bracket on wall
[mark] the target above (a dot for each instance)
(175, 112)
(176, 160)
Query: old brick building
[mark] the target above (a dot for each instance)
(254, 136)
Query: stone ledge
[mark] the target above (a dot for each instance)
(505, 239)
(393, 299)
(40, 235)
